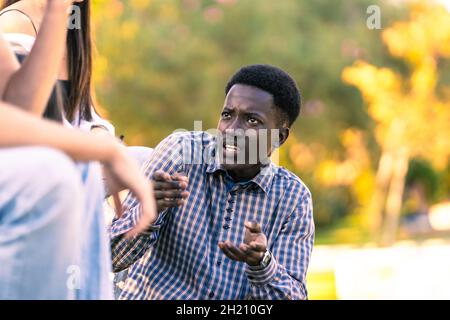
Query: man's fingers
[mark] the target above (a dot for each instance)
(249, 249)
(168, 185)
(166, 203)
(236, 252)
(227, 252)
(258, 247)
(169, 199)
(164, 181)
(161, 176)
(180, 177)
(183, 180)
(171, 194)
(252, 255)
(253, 227)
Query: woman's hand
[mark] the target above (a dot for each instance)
(121, 172)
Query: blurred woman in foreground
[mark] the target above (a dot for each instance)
(53, 242)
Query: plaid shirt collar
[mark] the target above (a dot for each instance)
(263, 179)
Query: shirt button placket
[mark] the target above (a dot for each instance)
(228, 218)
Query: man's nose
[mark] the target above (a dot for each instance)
(231, 125)
(235, 135)
(235, 124)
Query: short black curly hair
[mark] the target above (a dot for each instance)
(277, 82)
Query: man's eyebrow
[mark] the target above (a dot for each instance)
(252, 113)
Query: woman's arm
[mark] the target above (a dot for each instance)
(18, 128)
(29, 87)
(9, 64)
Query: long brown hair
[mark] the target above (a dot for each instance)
(79, 52)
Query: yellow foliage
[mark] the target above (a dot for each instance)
(427, 34)
(302, 156)
(109, 9)
(140, 4)
(349, 171)
(169, 12)
(129, 29)
(406, 110)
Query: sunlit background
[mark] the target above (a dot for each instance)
(372, 142)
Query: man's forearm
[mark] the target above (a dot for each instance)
(30, 87)
(18, 128)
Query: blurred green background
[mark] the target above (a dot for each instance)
(372, 140)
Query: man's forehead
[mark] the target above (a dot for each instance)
(249, 94)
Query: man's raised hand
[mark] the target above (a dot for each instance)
(170, 190)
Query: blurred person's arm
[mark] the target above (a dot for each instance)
(18, 128)
(29, 86)
(168, 158)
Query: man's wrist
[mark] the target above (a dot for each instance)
(263, 261)
(260, 275)
(255, 264)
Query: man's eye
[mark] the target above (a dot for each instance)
(253, 121)
(226, 115)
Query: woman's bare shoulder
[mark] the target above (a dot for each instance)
(16, 22)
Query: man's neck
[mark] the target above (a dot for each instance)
(248, 174)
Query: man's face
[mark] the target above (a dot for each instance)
(246, 123)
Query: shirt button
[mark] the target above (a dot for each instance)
(219, 263)
(230, 210)
(226, 227)
(211, 295)
(227, 219)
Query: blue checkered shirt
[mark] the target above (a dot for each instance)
(179, 257)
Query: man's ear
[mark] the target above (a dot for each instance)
(283, 135)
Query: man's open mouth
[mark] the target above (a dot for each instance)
(231, 148)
